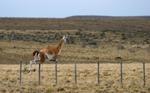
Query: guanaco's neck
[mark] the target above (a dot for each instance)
(60, 44)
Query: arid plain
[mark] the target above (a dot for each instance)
(90, 41)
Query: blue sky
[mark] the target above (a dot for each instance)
(64, 8)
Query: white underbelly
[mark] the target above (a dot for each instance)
(49, 56)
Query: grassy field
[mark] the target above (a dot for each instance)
(90, 40)
(16, 51)
(13, 52)
(87, 79)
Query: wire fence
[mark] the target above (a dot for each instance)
(76, 66)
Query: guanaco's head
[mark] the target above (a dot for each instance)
(65, 38)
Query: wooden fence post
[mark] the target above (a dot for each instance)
(144, 74)
(98, 73)
(75, 72)
(121, 73)
(56, 72)
(20, 76)
(39, 75)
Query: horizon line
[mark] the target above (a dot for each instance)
(73, 16)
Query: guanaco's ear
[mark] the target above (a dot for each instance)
(65, 36)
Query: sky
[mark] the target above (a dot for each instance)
(65, 8)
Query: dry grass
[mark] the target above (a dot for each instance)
(87, 79)
(105, 52)
(133, 34)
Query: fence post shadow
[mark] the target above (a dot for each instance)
(75, 72)
(56, 72)
(144, 80)
(39, 74)
(20, 77)
(98, 73)
(121, 73)
(20, 74)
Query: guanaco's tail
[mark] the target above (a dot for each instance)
(35, 53)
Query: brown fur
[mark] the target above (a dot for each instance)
(36, 52)
(52, 50)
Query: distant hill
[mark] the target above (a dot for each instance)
(88, 17)
(134, 23)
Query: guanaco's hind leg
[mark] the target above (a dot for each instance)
(31, 63)
(36, 59)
